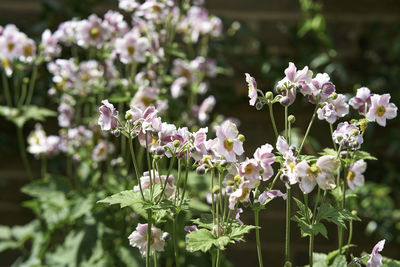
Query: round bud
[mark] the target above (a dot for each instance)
(237, 179)
(176, 143)
(134, 134)
(201, 170)
(25, 80)
(285, 101)
(241, 137)
(259, 105)
(292, 119)
(216, 189)
(354, 212)
(334, 95)
(363, 125)
(166, 236)
(117, 133)
(128, 115)
(223, 163)
(160, 151)
(285, 178)
(230, 183)
(355, 132)
(206, 159)
(269, 95)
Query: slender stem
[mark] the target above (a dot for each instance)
(32, 84)
(6, 88)
(175, 240)
(311, 249)
(333, 141)
(149, 167)
(186, 177)
(287, 237)
(171, 164)
(155, 258)
(308, 129)
(274, 180)
(178, 181)
(350, 232)
(135, 165)
(286, 123)
(256, 221)
(149, 221)
(44, 166)
(271, 114)
(212, 195)
(22, 150)
(218, 260)
(23, 95)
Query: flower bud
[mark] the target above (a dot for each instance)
(241, 137)
(269, 95)
(292, 119)
(285, 101)
(160, 151)
(363, 125)
(134, 134)
(230, 183)
(355, 132)
(223, 163)
(354, 212)
(128, 116)
(216, 189)
(176, 143)
(25, 80)
(166, 236)
(201, 170)
(259, 105)
(117, 133)
(237, 179)
(334, 95)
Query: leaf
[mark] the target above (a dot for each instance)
(339, 261)
(119, 97)
(198, 205)
(304, 211)
(308, 229)
(5, 232)
(238, 231)
(20, 117)
(204, 240)
(7, 244)
(363, 155)
(329, 151)
(124, 199)
(332, 255)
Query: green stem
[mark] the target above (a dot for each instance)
(155, 258)
(175, 240)
(286, 124)
(333, 141)
(171, 164)
(350, 232)
(44, 166)
(186, 177)
(311, 249)
(218, 260)
(256, 221)
(149, 221)
(287, 237)
(23, 95)
(308, 129)
(32, 84)
(22, 150)
(6, 88)
(271, 114)
(135, 165)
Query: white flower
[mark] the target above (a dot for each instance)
(355, 175)
(381, 109)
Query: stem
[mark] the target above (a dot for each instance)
(166, 180)
(23, 95)
(334, 144)
(44, 166)
(287, 237)
(256, 221)
(271, 114)
(218, 261)
(175, 239)
(6, 88)
(155, 258)
(308, 129)
(149, 215)
(186, 176)
(350, 232)
(311, 249)
(286, 124)
(135, 165)
(22, 150)
(32, 84)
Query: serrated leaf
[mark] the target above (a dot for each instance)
(124, 199)
(238, 231)
(332, 255)
(363, 155)
(20, 116)
(339, 261)
(203, 240)
(5, 232)
(304, 211)
(329, 151)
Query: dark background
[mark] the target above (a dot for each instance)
(356, 42)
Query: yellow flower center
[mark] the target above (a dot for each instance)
(131, 50)
(228, 144)
(10, 46)
(237, 179)
(245, 191)
(380, 111)
(351, 175)
(157, 9)
(291, 165)
(155, 139)
(313, 171)
(251, 88)
(102, 151)
(147, 101)
(84, 77)
(249, 169)
(94, 33)
(6, 63)
(28, 51)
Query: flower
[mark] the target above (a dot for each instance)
(381, 109)
(355, 175)
(50, 46)
(92, 32)
(320, 173)
(52, 145)
(128, 5)
(362, 100)
(251, 82)
(319, 89)
(270, 194)
(334, 109)
(132, 47)
(375, 259)
(177, 87)
(138, 239)
(102, 150)
(239, 195)
(115, 22)
(199, 148)
(147, 96)
(229, 144)
(65, 115)
(37, 141)
(250, 170)
(348, 136)
(107, 119)
(205, 109)
(264, 156)
(289, 166)
(145, 182)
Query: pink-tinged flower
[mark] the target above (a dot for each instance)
(182, 68)
(205, 109)
(229, 144)
(67, 32)
(65, 115)
(102, 150)
(37, 141)
(206, 65)
(145, 183)
(153, 10)
(375, 259)
(250, 170)
(265, 157)
(146, 78)
(239, 195)
(28, 51)
(107, 119)
(92, 32)
(320, 173)
(128, 5)
(190, 228)
(251, 82)
(381, 109)
(11, 42)
(132, 47)
(289, 167)
(147, 96)
(270, 194)
(1, 30)
(52, 145)
(319, 89)
(348, 136)
(355, 175)
(177, 87)
(138, 239)
(334, 109)
(114, 20)
(362, 100)
(50, 46)
(198, 148)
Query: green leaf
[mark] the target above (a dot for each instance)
(119, 97)
(329, 151)
(333, 254)
(390, 262)
(5, 232)
(8, 244)
(363, 155)
(124, 199)
(304, 211)
(20, 117)
(308, 229)
(198, 205)
(204, 240)
(339, 261)
(238, 231)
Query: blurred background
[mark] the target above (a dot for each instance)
(356, 42)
